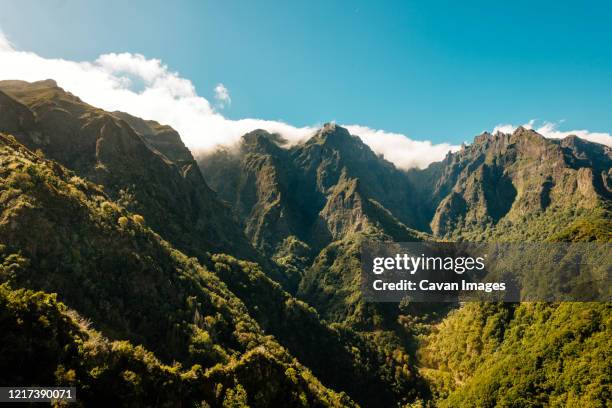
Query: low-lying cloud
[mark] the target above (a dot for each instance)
(147, 88)
(405, 153)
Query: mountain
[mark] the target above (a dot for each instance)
(506, 180)
(307, 206)
(318, 191)
(161, 138)
(503, 180)
(375, 369)
(124, 274)
(518, 186)
(62, 234)
(95, 259)
(520, 355)
(504, 187)
(147, 170)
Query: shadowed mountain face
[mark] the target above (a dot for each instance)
(161, 138)
(143, 165)
(320, 191)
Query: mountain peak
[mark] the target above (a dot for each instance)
(497, 137)
(331, 129)
(162, 138)
(334, 136)
(50, 83)
(523, 131)
(16, 83)
(503, 139)
(262, 140)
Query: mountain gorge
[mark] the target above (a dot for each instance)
(233, 278)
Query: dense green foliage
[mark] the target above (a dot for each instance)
(593, 227)
(113, 269)
(43, 333)
(123, 273)
(373, 370)
(532, 354)
(40, 332)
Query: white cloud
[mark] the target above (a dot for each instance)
(551, 130)
(142, 87)
(222, 96)
(405, 153)
(149, 89)
(5, 44)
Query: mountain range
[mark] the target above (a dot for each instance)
(134, 270)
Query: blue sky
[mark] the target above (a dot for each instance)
(435, 70)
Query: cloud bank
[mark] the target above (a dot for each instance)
(551, 130)
(405, 153)
(147, 88)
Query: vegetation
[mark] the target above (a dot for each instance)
(114, 270)
(533, 354)
(122, 273)
(373, 369)
(142, 165)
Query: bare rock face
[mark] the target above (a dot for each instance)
(506, 177)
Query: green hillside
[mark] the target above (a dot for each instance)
(134, 271)
(111, 268)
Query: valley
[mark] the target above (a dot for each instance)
(231, 277)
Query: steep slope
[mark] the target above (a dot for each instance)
(333, 152)
(506, 182)
(319, 197)
(548, 354)
(62, 234)
(150, 173)
(162, 138)
(374, 369)
(257, 179)
(318, 191)
(517, 355)
(45, 343)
